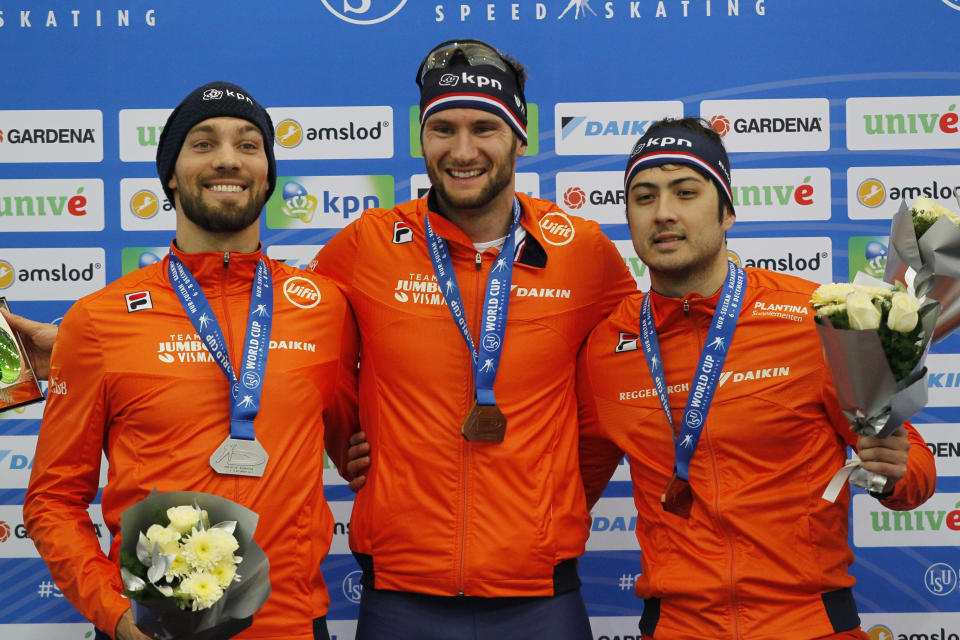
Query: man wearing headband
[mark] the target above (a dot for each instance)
(472, 303)
(160, 413)
(737, 541)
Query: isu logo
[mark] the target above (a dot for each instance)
(557, 229)
(289, 133)
(301, 292)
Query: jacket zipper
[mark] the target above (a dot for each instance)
(465, 470)
(731, 552)
(229, 335)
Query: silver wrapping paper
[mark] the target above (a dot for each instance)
(234, 611)
(935, 259)
(873, 402)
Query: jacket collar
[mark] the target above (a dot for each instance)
(216, 269)
(533, 253)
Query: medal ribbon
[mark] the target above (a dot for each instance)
(496, 301)
(246, 390)
(708, 370)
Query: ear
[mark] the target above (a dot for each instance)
(728, 219)
(521, 149)
(173, 182)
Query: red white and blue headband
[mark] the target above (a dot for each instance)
(469, 74)
(678, 145)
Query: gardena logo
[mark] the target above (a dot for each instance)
(364, 11)
(765, 125)
(721, 124)
(51, 136)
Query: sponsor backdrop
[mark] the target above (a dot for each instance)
(834, 113)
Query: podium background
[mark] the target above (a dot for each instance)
(598, 74)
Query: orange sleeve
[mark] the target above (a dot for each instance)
(340, 417)
(599, 456)
(336, 261)
(66, 472)
(617, 282)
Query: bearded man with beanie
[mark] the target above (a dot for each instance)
(472, 304)
(724, 405)
(131, 378)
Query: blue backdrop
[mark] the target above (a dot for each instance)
(833, 113)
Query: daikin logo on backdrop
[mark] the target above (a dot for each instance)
(364, 12)
(607, 128)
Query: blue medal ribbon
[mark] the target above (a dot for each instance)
(709, 367)
(246, 390)
(495, 303)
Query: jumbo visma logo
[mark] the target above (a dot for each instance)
(326, 202)
(946, 121)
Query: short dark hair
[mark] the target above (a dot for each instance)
(701, 126)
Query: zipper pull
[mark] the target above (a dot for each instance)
(226, 259)
(478, 259)
(686, 307)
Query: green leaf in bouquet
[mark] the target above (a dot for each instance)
(901, 349)
(922, 222)
(131, 564)
(839, 319)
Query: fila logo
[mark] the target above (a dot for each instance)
(138, 301)
(402, 233)
(628, 342)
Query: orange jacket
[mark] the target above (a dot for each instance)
(762, 556)
(438, 514)
(142, 387)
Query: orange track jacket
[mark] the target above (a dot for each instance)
(142, 387)
(440, 515)
(762, 555)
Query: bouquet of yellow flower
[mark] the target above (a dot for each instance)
(925, 252)
(875, 338)
(181, 573)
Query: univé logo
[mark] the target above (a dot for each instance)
(364, 12)
(557, 228)
(289, 133)
(911, 123)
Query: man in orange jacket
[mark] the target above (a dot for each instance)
(737, 541)
(472, 305)
(131, 376)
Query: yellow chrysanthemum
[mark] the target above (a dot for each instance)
(832, 293)
(202, 588)
(205, 549)
(226, 571)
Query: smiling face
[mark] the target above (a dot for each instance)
(220, 179)
(471, 156)
(673, 215)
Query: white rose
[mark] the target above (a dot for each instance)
(903, 313)
(183, 518)
(165, 537)
(861, 311)
(831, 293)
(924, 205)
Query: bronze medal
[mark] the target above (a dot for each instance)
(677, 497)
(484, 423)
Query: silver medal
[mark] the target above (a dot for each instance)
(239, 458)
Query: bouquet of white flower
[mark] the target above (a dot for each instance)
(181, 573)
(875, 339)
(925, 252)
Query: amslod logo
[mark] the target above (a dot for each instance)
(51, 274)
(364, 12)
(332, 133)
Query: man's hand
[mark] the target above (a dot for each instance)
(127, 629)
(37, 339)
(358, 456)
(886, 456)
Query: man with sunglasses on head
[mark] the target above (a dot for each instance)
(472, 303)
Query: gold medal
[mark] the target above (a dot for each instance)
(677, 497)
(484, 423)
